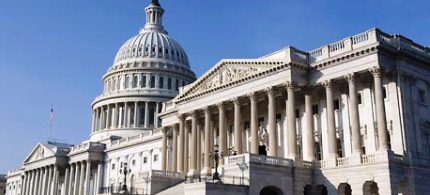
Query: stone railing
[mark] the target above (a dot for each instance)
(342, 161)
(368, 158)
(369, 37)
(261, 159)
(321, 164)
(135, 138)
(307, 164)
(87, 146)
(14, 172)
(160, 173)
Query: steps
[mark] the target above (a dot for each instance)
(174, 190)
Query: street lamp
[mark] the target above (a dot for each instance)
(124, 170)
(216, 156)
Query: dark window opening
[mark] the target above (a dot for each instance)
(143, 81)
(169, 83)
(336, 104)
(315, 109)
(161, 83)
(177, 85)
(360, 101)
(422, 96)
(278, 118)
(384, 92)
(297, 113)
(151, 116)
(339, 147)
(152, 82)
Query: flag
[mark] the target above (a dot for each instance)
(51, 115)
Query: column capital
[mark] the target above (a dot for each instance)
(181, 117)
(290, 84)
(351, 77)
(206, 109)
(270, 90)
(192, 113)
(236, 100)
(252, 96)
(376, 71)
(327, 83)
(220, 104)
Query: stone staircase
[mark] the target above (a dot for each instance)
(174, 190)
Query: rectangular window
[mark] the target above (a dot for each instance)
(384, 92)
(315, 109)
(177, 85)
(360, 101)
(155, 158)
(145, 160)
(278, 118)
(143, 81)
(142, 116)
(261, 121)
(336, 104)
(151, 116)
(169, 83)
(297, 113)
(152, 82)
(161, 83)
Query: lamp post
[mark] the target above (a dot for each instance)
(216, 156)
(124, 170)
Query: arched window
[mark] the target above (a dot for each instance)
(143, 81)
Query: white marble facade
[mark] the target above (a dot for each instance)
(351, 117)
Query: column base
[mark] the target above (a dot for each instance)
(206, 172)
(193, 176)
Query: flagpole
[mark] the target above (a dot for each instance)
(51, 119)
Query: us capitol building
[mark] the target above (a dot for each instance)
(350, 117)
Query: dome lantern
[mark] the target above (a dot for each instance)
(154, 18)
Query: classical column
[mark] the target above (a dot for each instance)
(43, 180)
(254, 123)
(353, 115)
(115, 116)
(24, 184)
(332, 143)
(146, 115)
(120, 116)
(186, 147)
(380, 108)
(87, 178)
(222, 132)
(102, 118)
(181, 144)
(66, 179)
(46, 181)
(77, 179)
(291, 121)
(193, 152)
(310, 141)
(207, 170)
(164, 149)
(29, 183)
(271, 126)
(99, 177)
(108, 116)
(39, 184)
(71, 179)
(36, 182)
(175, 148)
(237, 126)
(199, 148)
(125, 115)
(128, 123)
(157, 109)
(82, 178)
(136, 114)
(55, 181)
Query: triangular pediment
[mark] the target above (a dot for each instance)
(39, 152)
(227, 72)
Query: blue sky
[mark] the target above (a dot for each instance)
(55, 51)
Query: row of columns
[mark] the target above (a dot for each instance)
(180, 143)
(41, 181)
(45, 180)
(123, 115)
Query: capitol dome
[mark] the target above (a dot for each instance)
(149, 69)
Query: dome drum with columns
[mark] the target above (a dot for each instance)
(149, 68)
